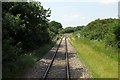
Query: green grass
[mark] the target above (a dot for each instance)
(101, 61)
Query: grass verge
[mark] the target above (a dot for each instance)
(101, 61)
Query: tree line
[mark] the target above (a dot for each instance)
(25, 27)
(105, 30)
(70, 29)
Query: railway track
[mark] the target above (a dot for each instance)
(66, 60)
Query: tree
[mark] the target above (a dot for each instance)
(68, 30)
(55, 26)
(106, 30)
(25, 28)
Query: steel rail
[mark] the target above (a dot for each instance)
(67, 61)
(53, 57)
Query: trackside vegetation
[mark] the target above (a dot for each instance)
(27, 35)
(98, 46)
(100, 60)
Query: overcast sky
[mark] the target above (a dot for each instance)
(80, 12)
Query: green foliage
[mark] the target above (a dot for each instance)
(25, 28)
(54, 29)
(27, 22)
(78, 28)
(55, 26)
(106, 30)
(117, 33)
(68, 30)
(52, 34)
(99, 43)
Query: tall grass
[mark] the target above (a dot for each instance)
(101, 61)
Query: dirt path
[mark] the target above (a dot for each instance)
(77, 69)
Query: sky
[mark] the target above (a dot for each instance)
(80, 12)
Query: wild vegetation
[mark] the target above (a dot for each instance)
(27, 35)
(54, 28)
(101, 61)
(70, 29)
(98, 46)
(105, 30)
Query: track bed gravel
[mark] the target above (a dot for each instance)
(58, 69)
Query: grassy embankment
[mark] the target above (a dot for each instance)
(101, 61)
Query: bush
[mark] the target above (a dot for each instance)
(105, 30)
